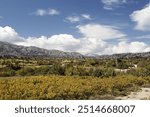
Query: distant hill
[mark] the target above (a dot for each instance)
(125, 55)
(7, 49)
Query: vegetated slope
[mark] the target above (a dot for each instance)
(7, 49)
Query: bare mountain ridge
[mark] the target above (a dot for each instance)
(7, 49)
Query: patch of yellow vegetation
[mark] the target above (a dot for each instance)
(67, 87)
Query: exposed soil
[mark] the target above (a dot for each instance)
(143, 94)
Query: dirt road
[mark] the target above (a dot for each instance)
(143, 94)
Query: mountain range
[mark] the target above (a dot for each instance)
(12, 50)
(7, 49)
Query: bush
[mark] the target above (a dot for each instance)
(140, 72)
(102, 72)
(6, 72)
(27, 71)
(42, 70)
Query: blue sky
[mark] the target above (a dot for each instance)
(85, 26)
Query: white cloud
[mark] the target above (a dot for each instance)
(40, 12)
(86, 16)
(95, 42)
(8, 34)
(92, 45)
(124, 47)
(142, 18)
(102, 32)
(53, 12)
(96, 36)
(44, 12)
(64, 42)
(76, 18)
(110, 4)
(73, 19)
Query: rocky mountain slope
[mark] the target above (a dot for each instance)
(7, 49)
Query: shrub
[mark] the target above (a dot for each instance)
(6, 72)
(27, 71)
(67, 87)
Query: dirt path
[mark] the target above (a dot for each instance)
(143, 94)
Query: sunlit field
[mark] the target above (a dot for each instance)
(53, 79)
(69, 87)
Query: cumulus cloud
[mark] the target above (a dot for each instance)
(125, 47)
(63, 42)
(96, 36)
(44, 12)
(142, 18)
(8, 34)
(103, 32)
(92, 45)
(96, 42)
(110, 4)
(76, 18)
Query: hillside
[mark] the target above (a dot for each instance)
(7, 49)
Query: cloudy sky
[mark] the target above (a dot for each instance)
(85, 26)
